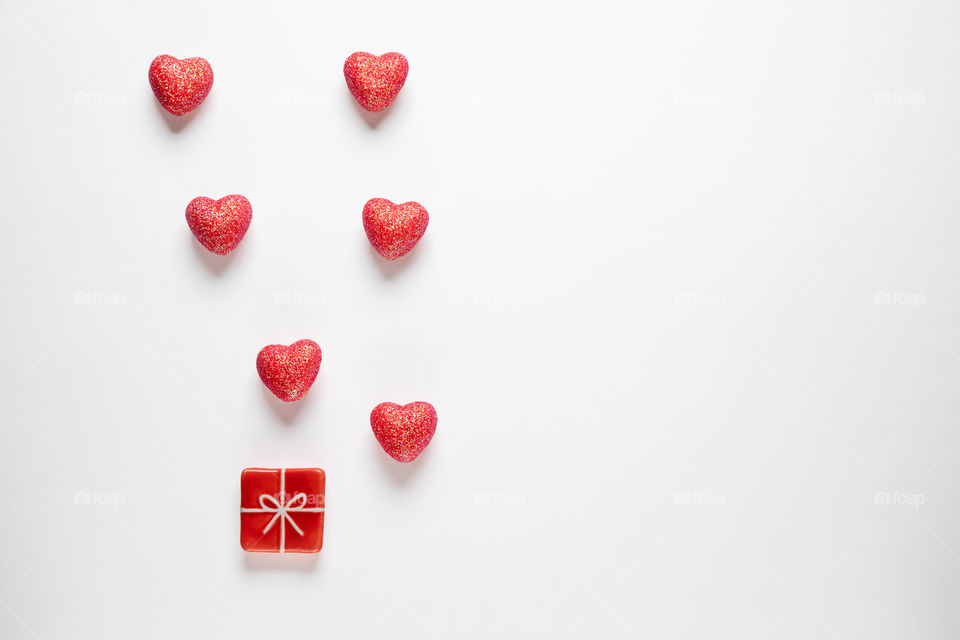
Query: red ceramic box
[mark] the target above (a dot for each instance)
(281, 510)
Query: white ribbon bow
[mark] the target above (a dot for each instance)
(281, 509)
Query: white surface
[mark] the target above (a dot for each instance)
(644, 310)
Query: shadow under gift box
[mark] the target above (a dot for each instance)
(281, 510)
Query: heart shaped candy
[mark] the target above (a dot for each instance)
(180, 85)
(219, 225)
(404, 431)
(375, 80)
(393, 229)
(289, 371)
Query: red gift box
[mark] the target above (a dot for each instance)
(281, 510)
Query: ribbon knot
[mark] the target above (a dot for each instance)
(281, 510)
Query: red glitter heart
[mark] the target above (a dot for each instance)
(180, 85)
(289, 371)
(393, 229)
(375, 80)
(219, 225)
(404, 432)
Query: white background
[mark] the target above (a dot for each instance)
(687, 307)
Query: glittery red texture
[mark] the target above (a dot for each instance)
(219, 225)
(404, 431)
(393, 229)
(289, 371)
(266, 492)
(375, 80)
(180, 85)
